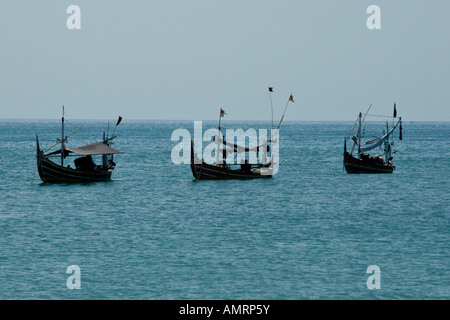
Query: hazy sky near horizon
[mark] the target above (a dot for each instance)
(183, 60)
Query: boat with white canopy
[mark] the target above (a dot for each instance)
(85, 169)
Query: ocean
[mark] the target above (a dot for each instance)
(310, 232)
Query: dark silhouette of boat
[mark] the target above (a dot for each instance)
(204, 171)
(221, 171)
(85, 169)
(365, 163)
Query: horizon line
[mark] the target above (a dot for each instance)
(149, 119)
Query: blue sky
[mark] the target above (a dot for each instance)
(183, 60)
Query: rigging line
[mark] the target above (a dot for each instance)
(378, 115)
(72, 124)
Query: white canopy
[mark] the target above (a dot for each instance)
(97, 148)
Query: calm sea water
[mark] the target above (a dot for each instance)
(310, 232)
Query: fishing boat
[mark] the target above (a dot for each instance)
(363, 162)
(220, 170)
(84, 170)
(204, 171)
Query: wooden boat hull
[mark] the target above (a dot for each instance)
(204, 171)
(355, 165)
(51, 172)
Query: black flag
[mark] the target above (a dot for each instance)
(395, 111)
(271, 89)
(118, 120)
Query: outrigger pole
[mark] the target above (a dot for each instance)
(367, 113)
(65, 138)
(291, 98)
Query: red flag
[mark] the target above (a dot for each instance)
(222, 112)
(291, 98)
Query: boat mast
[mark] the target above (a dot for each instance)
(386, 146)
(62, 138)
(218, 138)
(104, 156)
(359, 136)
